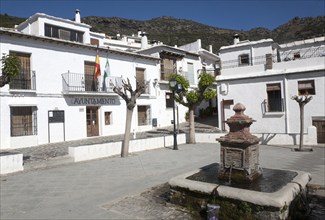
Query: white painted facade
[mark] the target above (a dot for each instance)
(248, 84)
(54, 63)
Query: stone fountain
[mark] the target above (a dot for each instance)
(239, 150)
(237, 184)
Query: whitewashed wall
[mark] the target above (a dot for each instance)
(49, 61)
(252, 91)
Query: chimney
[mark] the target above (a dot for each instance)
(236, 39)
(77, 16)
(269, 61)
(144, 40)
(139, 33)
(210, 48)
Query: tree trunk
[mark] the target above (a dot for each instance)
(192, 126)
(4, 80)
(301, 142)
(125, 144)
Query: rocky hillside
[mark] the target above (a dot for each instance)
(174, 31)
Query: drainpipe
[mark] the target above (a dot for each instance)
(285, 104)
(252, 56)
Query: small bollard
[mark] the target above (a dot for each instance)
(212, 211)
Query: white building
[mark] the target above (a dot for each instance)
(55, 97)
(264, 76)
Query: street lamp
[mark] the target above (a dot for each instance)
(173, 86)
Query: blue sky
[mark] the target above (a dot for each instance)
(232, 14)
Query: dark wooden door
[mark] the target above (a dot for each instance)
(92, 121)
(320, 125)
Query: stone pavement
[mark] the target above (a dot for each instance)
(43, 155)
(111, 188)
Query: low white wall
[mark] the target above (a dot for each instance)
(10, 163)
(208, 137)
(95, 151)
(289, 139)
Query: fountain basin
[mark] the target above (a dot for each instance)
(187, 192)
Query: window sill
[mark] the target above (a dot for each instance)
(22, 91)
(274, 113)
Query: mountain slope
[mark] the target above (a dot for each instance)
(173, 31)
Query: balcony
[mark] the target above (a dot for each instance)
(81, 83)
(23, 81)
(284, 56)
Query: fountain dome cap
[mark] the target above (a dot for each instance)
(239, 116)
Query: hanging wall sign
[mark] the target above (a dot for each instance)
(92, 101)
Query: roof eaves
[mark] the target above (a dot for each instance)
(11, 32)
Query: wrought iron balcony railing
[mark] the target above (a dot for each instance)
(23, 81)
(78, 82)
(269, 106)
(284, 56)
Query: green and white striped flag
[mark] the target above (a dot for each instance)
(107, 72)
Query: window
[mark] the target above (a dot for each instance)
(306, 87)
(296, 56)
(23, 121)
(23, 79)
(63, 33)
(108, 118)
(274, 100)
(167, 66)
(143, 115)
(89, 69)
(243, 60)
(140, 78)
(190, 73)
(169, 100)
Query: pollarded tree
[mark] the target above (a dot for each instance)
(302, 101)
(10, 68)
(191, 98)
(130, 96)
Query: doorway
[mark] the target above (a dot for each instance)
(320, 126)
(92, 121)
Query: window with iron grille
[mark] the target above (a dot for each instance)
(23, 121)
(274, 100)
(169, 99)
(143, 115)
(306, 87)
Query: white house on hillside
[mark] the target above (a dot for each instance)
(264, 76)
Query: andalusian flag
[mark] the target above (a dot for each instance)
(107, 72)
(97, 66)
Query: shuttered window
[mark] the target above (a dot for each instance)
(306, 87)
(190, 73)
(23, 79)
(89, 69)
(143, 115)
(274, 100)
